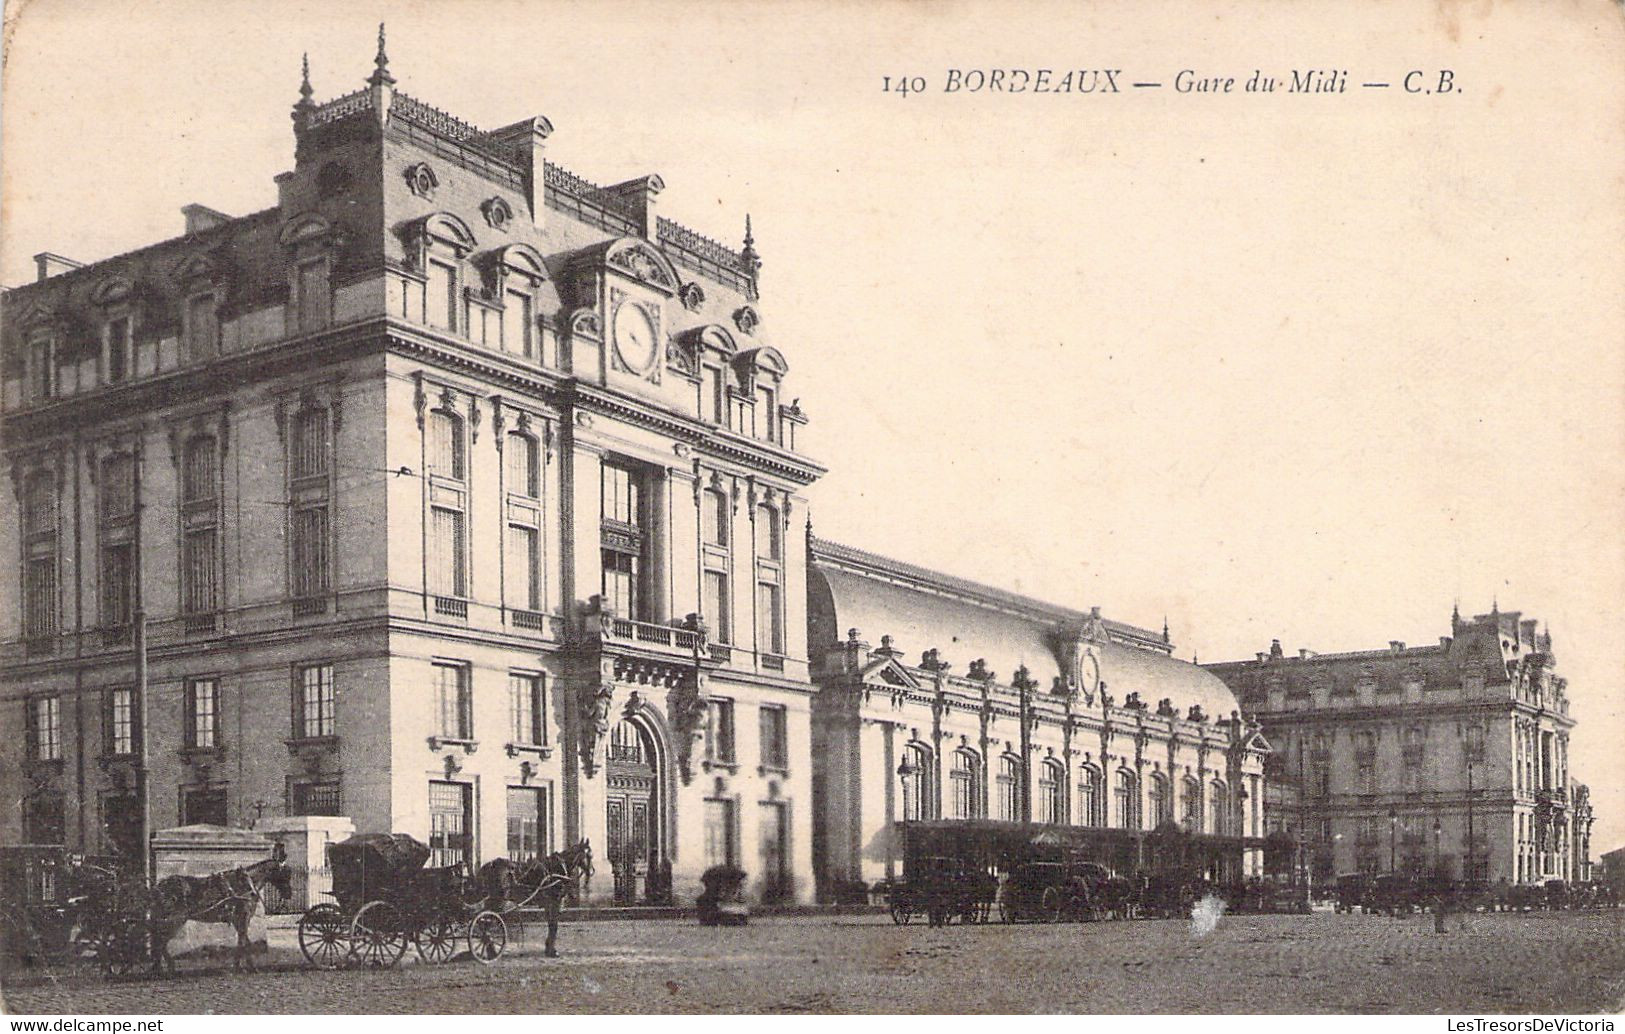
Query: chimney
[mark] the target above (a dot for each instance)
(50, 265)
(526, 141)
(199, 218)
(1275, 649)
(1395, 646)
(639, 197)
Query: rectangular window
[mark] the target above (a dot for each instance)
(202, 713)
(199, 594)
(770, 623)
(620, 496)
(447, 567)
(117, 336)
(41, 368)
(45, 728)
(775, 738)
(521, 455)
(719, 731)
(320, 797)
(117, 487)
(523, 588)
(202, 330)
(529, 823)
(39, 598)
(713, 397)
(117, 585)
(204, 805)
(717, 514)
(120, 727)
(769, 541)
(310, 443)
(312, 302)
(442, 300)
(716, 606)
(311, 556)
(446, 445)
(527, 709)
(721, 836)
(314, 714)
(451, 821)
(767, 414)
(517, 324)
(620, 583)
(451, 701)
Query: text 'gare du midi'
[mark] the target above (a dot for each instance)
(459, 496)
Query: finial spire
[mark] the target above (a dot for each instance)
(752, 262)
(380, 73)
(304, 78)
(1165, 628)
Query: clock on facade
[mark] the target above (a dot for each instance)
(635, 336)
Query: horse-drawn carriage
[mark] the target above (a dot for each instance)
(384, 899)
(941, 888)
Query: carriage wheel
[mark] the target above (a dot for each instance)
(1007, 911)
(378, 935)
(900, 913)
(324, 937)
(1053, 903)
(122, 946)
(437, 941)
(487, 937)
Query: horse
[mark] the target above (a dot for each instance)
(548, 879)
(224, 897)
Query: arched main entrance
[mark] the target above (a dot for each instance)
(633, 816)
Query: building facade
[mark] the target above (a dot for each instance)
(1449, 757)
(452, 493)
(929, 724)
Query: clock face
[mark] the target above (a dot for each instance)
(635, 336)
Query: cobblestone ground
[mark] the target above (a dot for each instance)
(1542, 963)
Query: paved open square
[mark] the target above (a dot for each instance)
(1500, 963)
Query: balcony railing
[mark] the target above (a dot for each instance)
(772, 662)
(627, 630)
(310, 606)
(197, 624)
(529, 620)
(447, 607)
(722, 653)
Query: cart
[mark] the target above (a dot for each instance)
(384, 899)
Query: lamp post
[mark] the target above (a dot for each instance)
(1024, 685)
(1393, 832)
(1470, 870)
(1438, 852)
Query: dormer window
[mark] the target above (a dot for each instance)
(116, 350)
(441, 310)
(767, 413)
(42, 367)
(518, 323)
(202, 329)
(312, 301)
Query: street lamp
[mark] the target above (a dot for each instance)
(1393, 832)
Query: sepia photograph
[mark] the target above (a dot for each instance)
(732, 507)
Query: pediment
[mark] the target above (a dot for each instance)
(631, 257)
(887, 672)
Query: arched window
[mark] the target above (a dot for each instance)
(1091, 800)
(446, 445)
(198, 470)
(1052, 792)
(522, 466)
(915, 774)
(1191, 791)
(1219, 808)
(626, 743)
(1008, 785)
(1128, 799)
(1161, 807)
(966, 777)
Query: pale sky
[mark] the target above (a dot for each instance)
(1299, 366)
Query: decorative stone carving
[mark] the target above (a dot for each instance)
(498, 213)
(688, 708)
(746, 319)
(421, 180)
(594, 701)
(639, 261)
(693, 296)
(586, 323)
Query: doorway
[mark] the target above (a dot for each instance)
(632, 816)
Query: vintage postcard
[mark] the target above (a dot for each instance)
(812, 507)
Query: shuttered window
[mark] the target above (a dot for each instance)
(200, 577)
(311, 555)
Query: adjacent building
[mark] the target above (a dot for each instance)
(1451, 756)
(939, 698)
(453, 493)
